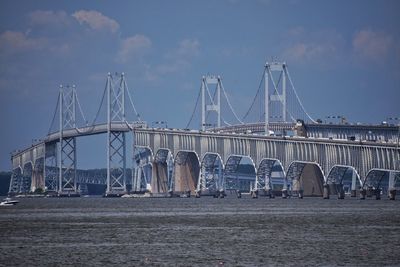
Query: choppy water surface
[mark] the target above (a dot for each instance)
(202, 232)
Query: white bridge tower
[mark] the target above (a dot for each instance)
(276, 95)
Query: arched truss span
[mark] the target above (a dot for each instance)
(162, 171)
(187, 172)
(343, 177)
(26, 182)
(211, 174)
(305, 177)
(382, 179)
(38, 174)
(16, 180)
(142, 162)
(264, 178)
(236, 179)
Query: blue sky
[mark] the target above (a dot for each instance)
(344, 58)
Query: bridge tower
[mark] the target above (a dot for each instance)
(67, 145)
(116, 140)
(214, 107)
(276, 96)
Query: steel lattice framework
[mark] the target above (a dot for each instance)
(116, 149)
(67, 148)
(50, 168)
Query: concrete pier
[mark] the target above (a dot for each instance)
(284, 193)
(341, 192)
(392, 194)
(326, 191)
(363, 192)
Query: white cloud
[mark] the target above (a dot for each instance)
(309, 51)
(133, 46)
(12, 42)
(181, 57)
(188, 48)
(96, 20)
(313, 46)
(372, 46)
(49, 18)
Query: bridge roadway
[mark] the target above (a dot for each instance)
(363, 155)
(387, 133)
(32, 163)
(37, 149)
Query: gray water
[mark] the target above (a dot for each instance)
(200, 232)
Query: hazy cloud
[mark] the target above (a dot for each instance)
(302, 45)
(132, 47)
(96, 20)
(372, 46)
(188, 48)
(309, 51)
(13, 41)
(48, 18)
(296, 31)
(180, 58)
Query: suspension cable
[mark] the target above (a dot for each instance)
(130, 99)
(298, 99)
(101, 103)
(194, 110)
(55, 113)
(255, 98)
(279, 96)
(80, 108)
(229, 104)
(224, 121)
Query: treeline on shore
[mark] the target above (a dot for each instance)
(5, 178)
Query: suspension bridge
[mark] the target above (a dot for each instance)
(276, 147)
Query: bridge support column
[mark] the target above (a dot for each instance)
(67, 145)
(369, 191)
(50, 169)
(271, 193)
(214, 106)
(354, 179)
(392, 194)
(300, 193)
(116, 144)
(392, 189)
(363, 192)
(340, 191)
(326, 191)
(67, 168)
(284, 193)
(116, 168)
(378, 194)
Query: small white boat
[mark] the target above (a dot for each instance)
(8, 202)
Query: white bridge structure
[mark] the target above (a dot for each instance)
(215, 159)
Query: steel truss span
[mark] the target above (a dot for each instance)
(53, 160)
(307, 167)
